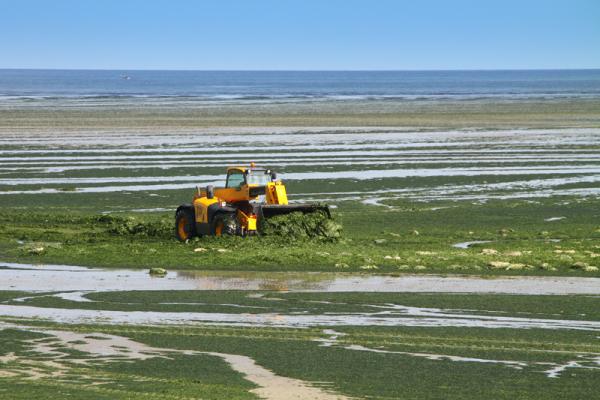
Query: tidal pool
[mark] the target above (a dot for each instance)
(62, 278)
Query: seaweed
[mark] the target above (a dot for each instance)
(316, 225)
(132, 226)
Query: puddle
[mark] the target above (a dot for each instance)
(393, 316)
(376, 201)
(101, 347)
(74, 296)
(466, 245)
(62, 278)
(46, 267)
(590, 363)
(554, 219)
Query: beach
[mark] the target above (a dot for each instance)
(467, 265)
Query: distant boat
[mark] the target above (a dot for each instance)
(126, 77)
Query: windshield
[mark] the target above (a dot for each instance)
(235, 179)
(260, 178)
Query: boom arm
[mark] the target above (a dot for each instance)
(276, 193)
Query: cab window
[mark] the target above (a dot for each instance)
(235, 179)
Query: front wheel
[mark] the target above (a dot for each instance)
(185, 225)
(225, 224)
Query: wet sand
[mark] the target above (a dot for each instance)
(102, 348)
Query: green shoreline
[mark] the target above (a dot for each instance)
(405, 240)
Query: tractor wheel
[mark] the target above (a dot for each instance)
(185, 224)
(225, 224)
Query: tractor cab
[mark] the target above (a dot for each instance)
(252, 177)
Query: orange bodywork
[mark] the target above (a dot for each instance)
(181, 228)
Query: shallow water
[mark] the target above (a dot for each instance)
(396, 316)
(73, 283)
(466, 245)
(510, 163)
(59, 278)
(87, 87)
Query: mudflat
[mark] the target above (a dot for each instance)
(467, 266)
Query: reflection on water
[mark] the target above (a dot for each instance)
(49, 278)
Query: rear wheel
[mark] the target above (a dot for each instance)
(185, 224)
(225, 224)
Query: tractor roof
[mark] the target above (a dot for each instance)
(245, 168)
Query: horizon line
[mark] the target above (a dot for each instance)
(305, 70)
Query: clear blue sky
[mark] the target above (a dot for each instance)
(300, 34)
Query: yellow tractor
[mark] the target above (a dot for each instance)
(236, 209)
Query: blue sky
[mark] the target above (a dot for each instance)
(300, 35)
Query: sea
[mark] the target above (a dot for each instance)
(28, 86)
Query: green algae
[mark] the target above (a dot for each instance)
(296, 225)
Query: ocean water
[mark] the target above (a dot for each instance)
(32, 85)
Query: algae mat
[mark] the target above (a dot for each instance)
(281, 344)
(517, 201)
(235, 335)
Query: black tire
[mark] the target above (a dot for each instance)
(210, 192)
(224, 224)
(185, 224)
